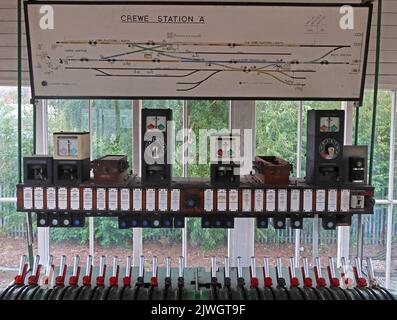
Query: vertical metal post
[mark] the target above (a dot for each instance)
(91, 226)
(389, 225)
(19, 94)
(373, 128)
(298, 175)
(343, 248)
(185, 174)
(241, 238)
(137, 245)
(41, 133)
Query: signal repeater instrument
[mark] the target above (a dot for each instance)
(155, 158)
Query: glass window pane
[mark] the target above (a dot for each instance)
(203, 117)
(276, 129)
(382, 138)
(393, 282)
(68, 116)
(374, 240)
(112, 128)
(12, 224)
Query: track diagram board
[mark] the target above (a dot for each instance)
(262, 51)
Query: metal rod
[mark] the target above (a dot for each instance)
(141, 272)
(318, 266)
(88, 265)
(128, 266)
(331, 264)
(266, 269)
(154, 266)
(115, 266)
(389, 225)
(102, 261)
(181, 266)
(185, 173)
(91, 225)
(239, 268)
(226, 262)
(253, 267)
(292, 266)
(357, 263)
(279, 268)
(357, 123)
(168, 267)
(360, 237)
(298, 174)
(306, 269)
(76, 262)
(62, 265)
(213, 267)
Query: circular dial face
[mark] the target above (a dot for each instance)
(329, 148)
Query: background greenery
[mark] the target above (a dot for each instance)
(276, 134)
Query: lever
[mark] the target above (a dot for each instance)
(153, 280)
(344, 269)
(128, 271)
(167, 279)
(266, 273)
(371, 274)
(23, 269)
(74, 279)
(333, 280)
(294, 281)
(240, 278)
(360, 280)
(34, 278)
(254, 278)
(49, 271)
(226, 263)
(307, 280)
(214, 279)
(318, 273)
(88, 271)
(279, 273)
(114, 279)
(60, 279)
(181, 264)
(100, 280)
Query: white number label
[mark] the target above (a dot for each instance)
(113, 199)
(208, 200)
(307, 200)
(270, 200)
(295, 200)
(137, 199)
(101, 199)
(175, 199)
(258, 203)
(233, 200)
(125, 199)
(62, 198)
(38, 198)
(87, 199)
(282, 200)
(246, 200)
(75, 199)
(345, 200)
(51, 198)
(163, 200)
(320, 200)
(332, 198)
(222, 200)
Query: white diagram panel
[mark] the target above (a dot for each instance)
(268, 51)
